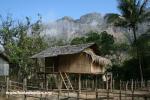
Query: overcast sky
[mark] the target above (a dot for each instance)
(54, 9)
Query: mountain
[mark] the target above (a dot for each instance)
(67, 27)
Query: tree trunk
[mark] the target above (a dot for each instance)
(138, 54)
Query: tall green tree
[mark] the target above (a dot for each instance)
(104, 40)
(7, 30)
(21, 40)
(132, 13)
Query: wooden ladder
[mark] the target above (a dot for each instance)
(66, 80)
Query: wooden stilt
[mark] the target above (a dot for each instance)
(106, 81)
(96, 87)
(79, 83)
(59, 82)
(111, 82)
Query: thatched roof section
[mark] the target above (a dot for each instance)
(97, 59)
(62, 50)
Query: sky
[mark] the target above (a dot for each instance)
(55, 9)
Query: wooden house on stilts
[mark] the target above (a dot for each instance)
(72, 59)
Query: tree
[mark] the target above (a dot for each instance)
(107, 43)
(7, 30)
(144, 47)
(21, 40)
(104, 40)
(132, 13)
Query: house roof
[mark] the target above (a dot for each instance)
(62, 50)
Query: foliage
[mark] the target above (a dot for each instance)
(132, 13)
(104, 40)
(107, 43)
(128, 70)
(20, 41)
(78, 40)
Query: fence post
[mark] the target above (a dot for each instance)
(78, 95)
(96, 88)
(25, 84)
(25, 87)
(120, 90)
(127, 85)
(46, 85)
(132, 89)
(59, 94)
(108, 94)
(135, 85)
(7, 87)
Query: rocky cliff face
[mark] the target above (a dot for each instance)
(68, 27)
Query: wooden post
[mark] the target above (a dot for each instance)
(126, 84)
(59, 94)
(135, 85)
(132, 89)
(93, 85)
(96, 95)
(46, 85)
(86, 87)
(108, 94)
(120, 90)
(25, 87)
(78, 95)
(111, 82)
(25, 84)
(79, 83)
(106, 82)
(7, 87)
(96, 88)
(86, 83)
(79, 87)
(132, 84)
(59, 82)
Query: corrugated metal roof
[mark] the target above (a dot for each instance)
(62, 50)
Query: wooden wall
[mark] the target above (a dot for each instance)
(97, 69)
(77, 63)
(73, 63)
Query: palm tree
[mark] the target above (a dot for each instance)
(132, 13)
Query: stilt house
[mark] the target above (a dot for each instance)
(82, 58)
(75, 59)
